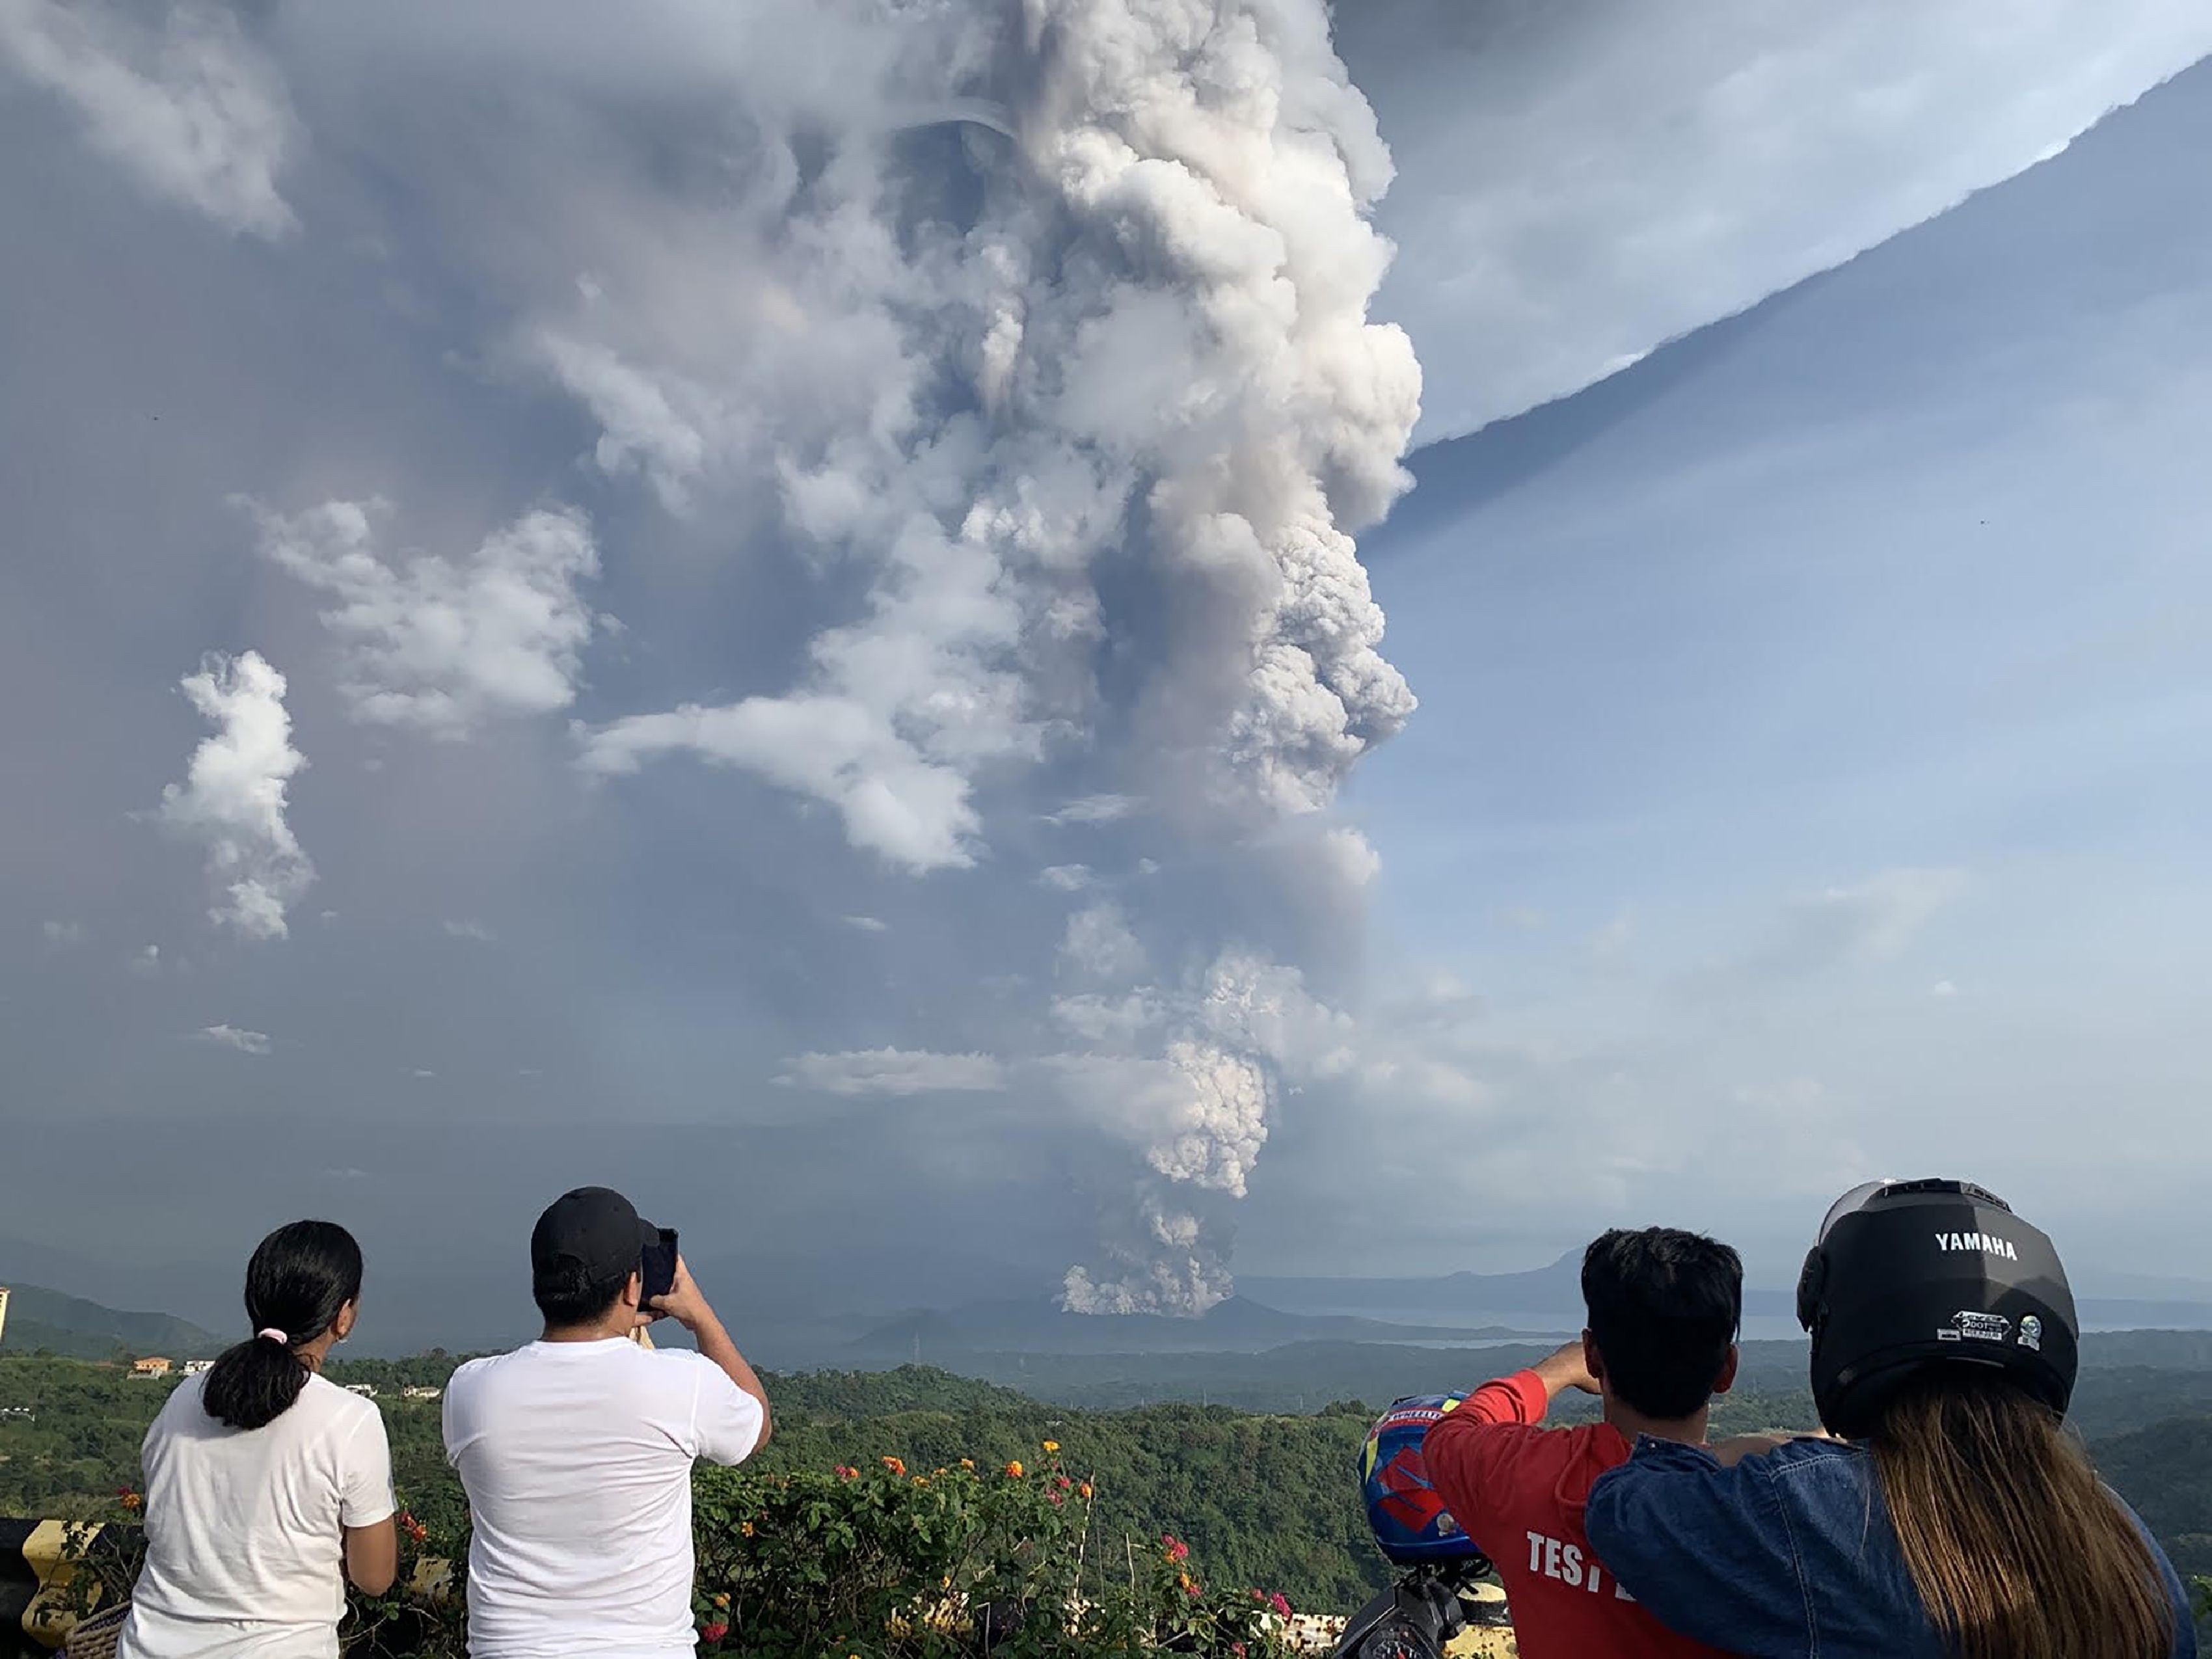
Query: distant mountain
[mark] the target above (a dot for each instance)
(1547, 1291)
(1553, 1293)
(39, 1318)
(1238, 1325)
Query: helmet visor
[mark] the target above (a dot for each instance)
(1857, 1199)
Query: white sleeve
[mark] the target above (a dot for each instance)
(365, 1474)
(726, 1420)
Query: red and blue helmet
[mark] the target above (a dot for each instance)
(1407, 1518)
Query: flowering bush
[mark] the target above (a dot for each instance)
(897, 1565)
(881, 1564)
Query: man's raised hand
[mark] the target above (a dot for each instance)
(1568, 1367)
(682, 1301)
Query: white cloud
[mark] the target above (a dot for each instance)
(1942, 988)
(895, 1071)
(440, 644)
(192, 111)
(64, 932)
(470, 930)
(147, 963)
(911, 811)
(1096, 809)
(232, 801)
(868, 924)
(232, 1036)
(1578, 183)
(1066, 877)
(1099, 945)
(1118, 1021)
(1351, 856)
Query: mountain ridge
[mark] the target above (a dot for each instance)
(78, 1329)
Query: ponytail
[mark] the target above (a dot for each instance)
(300, 1276)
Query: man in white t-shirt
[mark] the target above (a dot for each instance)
(576, 1449)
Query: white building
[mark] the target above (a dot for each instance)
(366, 1390)
(416, 1391)
(194, 1367)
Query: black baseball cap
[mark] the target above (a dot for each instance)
(595, 1227)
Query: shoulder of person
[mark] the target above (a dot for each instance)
(680, 1362)
(474, 1371)
(340, 1403)
(1815, 1454)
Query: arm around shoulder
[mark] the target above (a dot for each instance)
(1704, 1546)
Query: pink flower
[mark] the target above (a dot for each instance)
(713, 1632)
(1177, 1549)
(1281, 1606)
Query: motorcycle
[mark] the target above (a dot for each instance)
(1418, 1616)
(1434, 1597)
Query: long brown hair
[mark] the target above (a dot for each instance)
(2017, 1549)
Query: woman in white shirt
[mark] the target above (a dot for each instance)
(263, 1480)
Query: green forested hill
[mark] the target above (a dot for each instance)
(1265, 1499)
(71, 1326)
(2165, 1472)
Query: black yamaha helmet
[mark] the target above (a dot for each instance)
(1912, 1273)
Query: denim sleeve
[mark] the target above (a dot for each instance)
(1707, 1549)
(2185, 1614)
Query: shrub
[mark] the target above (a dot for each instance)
(884, 1563)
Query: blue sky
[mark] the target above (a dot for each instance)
(1902, 571)
(824, 682)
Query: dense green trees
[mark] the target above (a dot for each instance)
(1264, 1500)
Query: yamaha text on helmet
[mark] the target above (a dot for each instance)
(1908, 1274)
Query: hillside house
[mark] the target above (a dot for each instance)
(153, 1366)
(416, 1391)
(366, 1390)
(194, 1367)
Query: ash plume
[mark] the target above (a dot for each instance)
(1016, 352)
(1123, 411)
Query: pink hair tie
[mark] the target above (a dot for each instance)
(275, 1336)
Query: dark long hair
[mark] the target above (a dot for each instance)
(2018, 1550)
(300, 1277)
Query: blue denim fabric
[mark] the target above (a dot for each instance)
(1788, 1555)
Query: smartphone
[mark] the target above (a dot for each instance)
(658, 1268)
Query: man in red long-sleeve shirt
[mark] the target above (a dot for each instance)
(1664, 1308)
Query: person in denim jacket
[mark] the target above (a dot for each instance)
(1949, 1514)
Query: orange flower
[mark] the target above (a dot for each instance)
(131, 1500)
(723, 1600)
(1189, 1584)
(921, 1480)
(846, 1472)
(1014, 1470)
(895, 1465)
(1083, 1490)
(746, 1528)
(1052, 1445)
(967, 1463)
